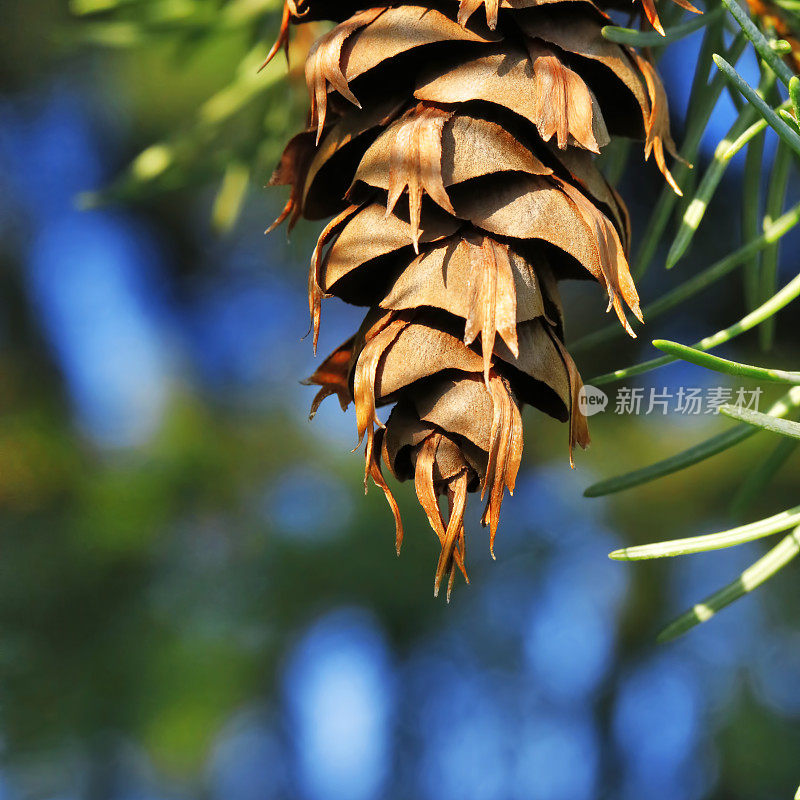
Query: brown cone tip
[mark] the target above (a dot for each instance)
(451, 144)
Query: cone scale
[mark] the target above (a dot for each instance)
(451, 144)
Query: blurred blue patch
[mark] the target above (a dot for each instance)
(92, 277)
(246, 332)
(240, 331)
(569, 641)
(48, 151)
(482, 734)
(338, 688)
(466, 733)
(248, 761)
(134, 777)
(500, 608)
(656, 725)
(546, 504)
(86, 277)
(307, 504)
(558, 758)
(777, 665)
(724, 642)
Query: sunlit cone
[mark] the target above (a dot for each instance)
(452, 144)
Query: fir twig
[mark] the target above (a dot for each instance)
(712, 541)
(694, 455)
(636, 38)
(776, 197)
(699, 282)
(763, 421)
(763, 569)
(725, 366)
(778, 301)
(758, 477)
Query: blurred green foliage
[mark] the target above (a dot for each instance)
(237, 131)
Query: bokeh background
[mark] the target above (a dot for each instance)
(196, 600)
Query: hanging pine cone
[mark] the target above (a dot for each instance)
(455, 155)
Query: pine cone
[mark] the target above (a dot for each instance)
(455, 156)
